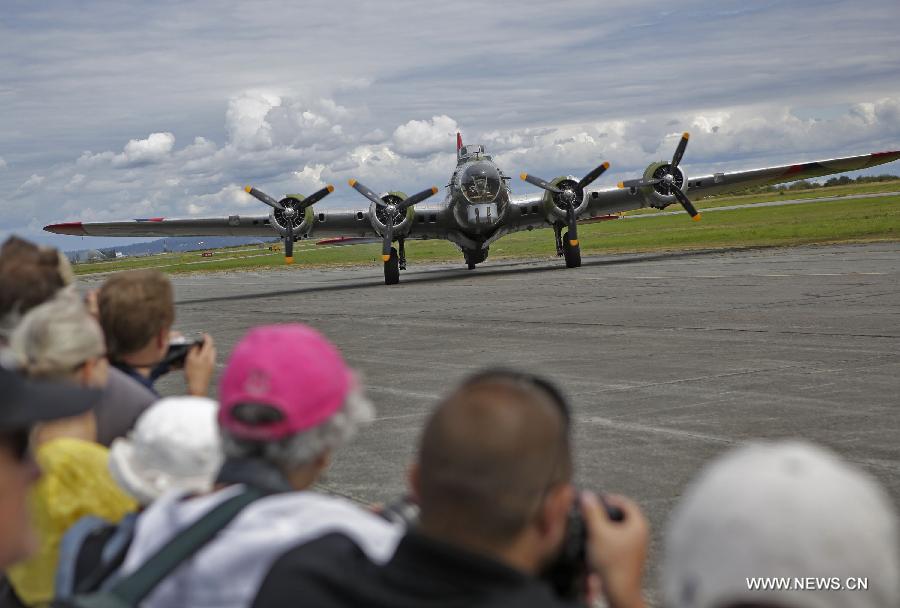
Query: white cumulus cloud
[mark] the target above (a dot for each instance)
(245, 120)
(424, 137)
(145, 151)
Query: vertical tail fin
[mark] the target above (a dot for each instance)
(458, 143)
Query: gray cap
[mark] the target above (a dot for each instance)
(791, 511)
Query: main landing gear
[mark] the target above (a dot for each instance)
(566, 247)
(395, 263)
(392, 268)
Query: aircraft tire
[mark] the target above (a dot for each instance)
(392, 269)
(572, 253)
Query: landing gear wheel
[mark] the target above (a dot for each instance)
(474, 257)
(392, 269)
(572, 253)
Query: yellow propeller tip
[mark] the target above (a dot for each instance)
(385, 257)
(621, 184)
(352, 182)
(573, 243)
(606, 165)
(696, 218)
(288, 260)
(247, 189)
(524, 176)
(686, 135)
(330, 187)
(434, 190)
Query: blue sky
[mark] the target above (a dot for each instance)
(115, 110)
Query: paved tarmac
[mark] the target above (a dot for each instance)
(668, 359)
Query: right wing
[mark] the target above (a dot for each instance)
(233, 225)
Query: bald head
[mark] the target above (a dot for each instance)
(489, 454)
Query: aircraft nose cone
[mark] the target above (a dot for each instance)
(481, 182)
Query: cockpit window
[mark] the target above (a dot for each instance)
(480, 182)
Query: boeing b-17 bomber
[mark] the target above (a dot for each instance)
(478, 207)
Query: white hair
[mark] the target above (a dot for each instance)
(55, 337)
(304, 447)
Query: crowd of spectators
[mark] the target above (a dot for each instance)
(113, 496)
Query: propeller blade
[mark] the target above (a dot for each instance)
(679, 151)
(316, 196)
(686, 203)
(638, 183)
(590, 177)
(262, 196)
(366, 192)
(573, 226)
(388, 237)
(540, 183)
(289, 244)
(417, 198)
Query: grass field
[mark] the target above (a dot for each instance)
(847, 220)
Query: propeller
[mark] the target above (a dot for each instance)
(567, 196)
(288, 210)
(393, 212)
(665, 175)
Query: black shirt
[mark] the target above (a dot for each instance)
(334, 572)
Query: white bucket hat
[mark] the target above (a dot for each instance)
(174, 446)
(788, 511)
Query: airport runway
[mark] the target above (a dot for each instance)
(668, 359)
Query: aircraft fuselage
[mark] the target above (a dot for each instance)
(479, 192)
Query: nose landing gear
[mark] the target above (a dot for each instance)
(474, 257)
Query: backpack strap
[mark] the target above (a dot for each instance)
(131, 589)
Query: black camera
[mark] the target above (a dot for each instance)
(178, 349)
(567, 574)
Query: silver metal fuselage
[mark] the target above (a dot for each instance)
(479, 193)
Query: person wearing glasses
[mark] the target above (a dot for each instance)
(493, 486)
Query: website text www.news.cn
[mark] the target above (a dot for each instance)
(807, 583)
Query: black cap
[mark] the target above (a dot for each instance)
(25, 402)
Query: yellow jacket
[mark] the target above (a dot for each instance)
(75, 483)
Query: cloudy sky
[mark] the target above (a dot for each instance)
(116, 110)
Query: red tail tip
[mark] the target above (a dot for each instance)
(458, 141)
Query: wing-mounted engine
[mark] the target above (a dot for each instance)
(294, 212)
(665, 183)
(292, 216)
(662, 179)
(382, 215)
(390, 214)
(556, 204)
(564, 200)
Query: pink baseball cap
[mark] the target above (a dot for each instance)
(293, 369)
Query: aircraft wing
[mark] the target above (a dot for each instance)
(327, 223)
(720, 183)
(615, 200)
(233, 225)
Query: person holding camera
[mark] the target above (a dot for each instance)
(288, 401)
(136, 311)
(499, 519)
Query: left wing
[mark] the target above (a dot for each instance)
(721, 183)
(615, 200)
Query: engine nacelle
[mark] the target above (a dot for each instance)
(660, 195)
(378, 215)
(554, 207)
(302, 219)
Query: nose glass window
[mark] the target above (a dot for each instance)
(480, 182)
